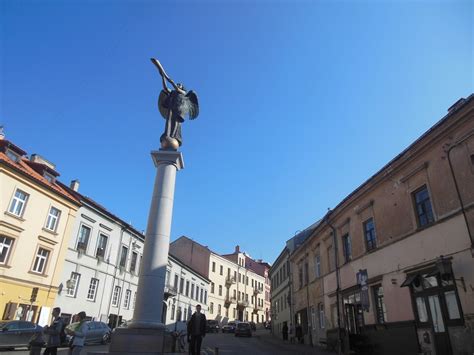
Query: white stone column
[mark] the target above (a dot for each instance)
(151, 285)
(145, 335)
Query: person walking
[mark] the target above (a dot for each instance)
(196, 331)
(54, 333)
(79, 332)
(284, 331)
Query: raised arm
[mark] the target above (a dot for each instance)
(164, 77)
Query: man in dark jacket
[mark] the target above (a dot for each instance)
(54, 333)
(196, 331)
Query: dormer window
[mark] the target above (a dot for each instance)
(49, 177)
(12, 155)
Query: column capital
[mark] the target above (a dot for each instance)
(168, 156)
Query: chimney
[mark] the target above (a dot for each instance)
(74, 185)
(2, 133)
(35, 158)
(237, 249)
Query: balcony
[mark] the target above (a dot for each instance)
(229, 281)
(81, 247)
(257, 309)
(258, 291)
(170, 291)
(228, 301)
(241, 304)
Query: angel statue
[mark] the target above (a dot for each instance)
(174, 106)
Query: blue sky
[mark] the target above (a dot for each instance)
(300, 101)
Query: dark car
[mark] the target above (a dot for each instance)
(228, 328)
(243, 329)
(17, 333)
(97, 332)
(212, 326)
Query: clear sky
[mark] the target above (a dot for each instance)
(300, 101)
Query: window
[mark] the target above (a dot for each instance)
(380, 310)
(53, 219)
(205, 297)
(92, 289)
(6, 245)
(212, 287)
(123, 256)
(133, 263)
(84, 234)
(116, 296)
(220, 290)
(317, 263)
(424, 212)
(221, 270)
(176, 279)
(197, 293)
(192, 291)
(172, 312)
(331, 259)
(369, 232)
(102, 245)
(126, 301)
(17, 207)
(41, 260)
(322, 322)
(187, 288)
(219, 309)
(201, 296)
(213, 266)
(347, 248)
(300, 275)
(211, 308)
(73, 284)
(49, 177)
(12, 155)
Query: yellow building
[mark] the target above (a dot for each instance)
(36, 219)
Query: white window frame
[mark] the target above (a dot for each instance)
(75, 278)
(80, 237)
(17, 201)
(41, 260)
(121, 257)
(92, 292)
(134, 270)
(116, 296)
(126, 300)
(317, 261)
(4, 246)
(53, 219)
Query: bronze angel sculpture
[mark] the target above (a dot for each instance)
(174, 106)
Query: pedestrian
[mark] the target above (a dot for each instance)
(196, 331)
(299, 333)
(284, 331)
(78, 331)
(292, 333)
(54, 333)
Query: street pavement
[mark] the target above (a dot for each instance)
(262, 342)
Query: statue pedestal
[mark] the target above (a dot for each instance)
(145, 335)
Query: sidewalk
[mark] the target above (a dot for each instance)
(266, 336)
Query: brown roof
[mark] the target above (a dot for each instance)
(24, 167)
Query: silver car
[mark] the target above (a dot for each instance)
(16, 333)
(97, 332)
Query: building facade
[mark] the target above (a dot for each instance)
(184, 290)
(235, 292)
(393, 263)
(101, 267)
(37, 219)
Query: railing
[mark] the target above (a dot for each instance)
(257, 291)
(170, 291)
(230, 280)
(81, 247)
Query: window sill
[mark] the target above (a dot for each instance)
(5, 266)
(50, 231)
(20, 218)
(37, 273)
(71, 296)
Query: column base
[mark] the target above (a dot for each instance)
(139, 341)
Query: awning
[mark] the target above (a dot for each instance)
(409, 280)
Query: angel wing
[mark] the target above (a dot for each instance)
(192, 105)
(163, 103)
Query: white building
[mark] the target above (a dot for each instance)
(184, 290)
(100, 274)
(236, 292)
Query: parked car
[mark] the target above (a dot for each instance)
(243, 329)
(229, 327)
(212, 326)
(98, 332)
(17, 333)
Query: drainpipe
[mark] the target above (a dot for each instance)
(457, 187)
(308, 314)
(338, 283)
